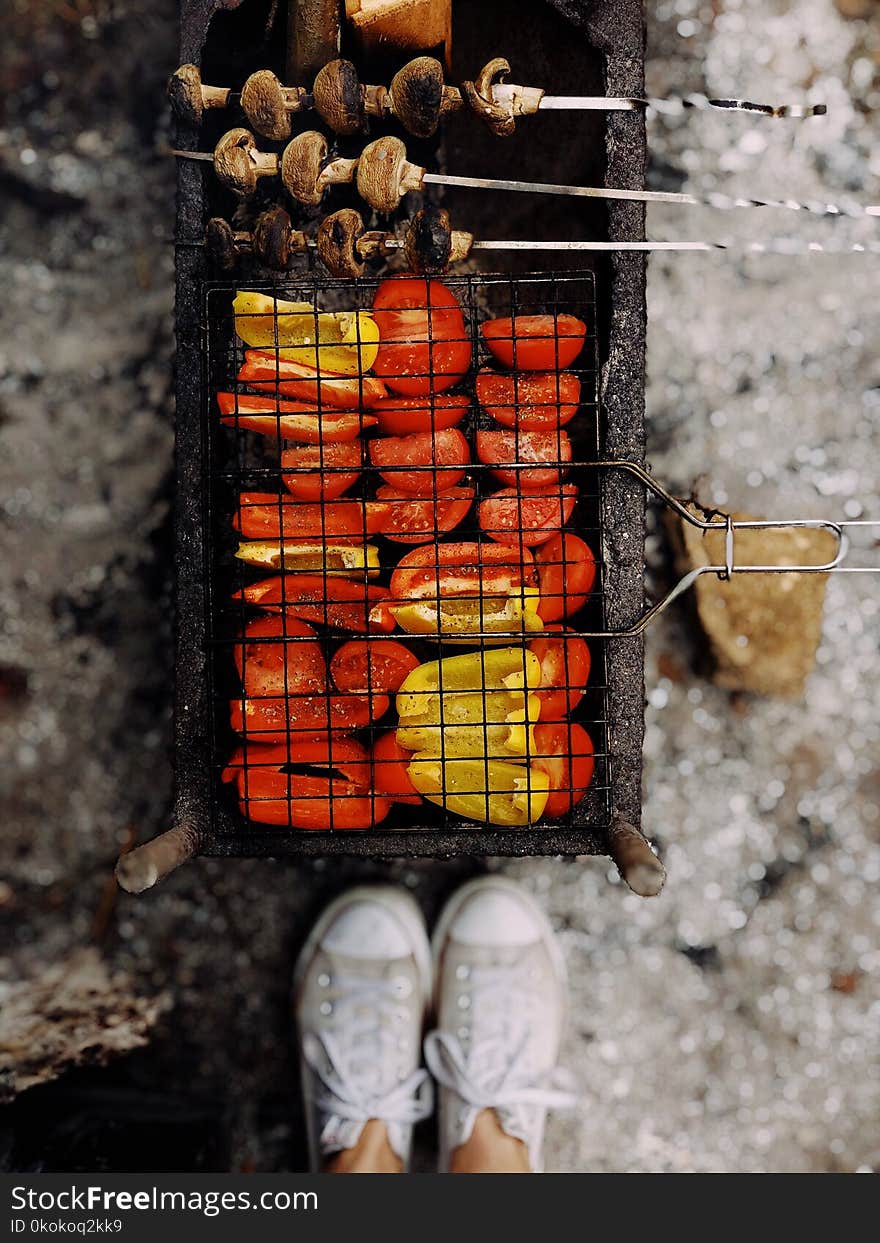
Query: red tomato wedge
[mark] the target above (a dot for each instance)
(399, 416)
(265, 370)
(288, 660)
(439, 459)
(379, 665)
(565, 668)
(567, 572)
(417, 520)
(499, 449)
(462, 569)
(272, 516)
(321, 472)
(329, 601)
(533, 402)
(333, 793)
(535, 342)
(532, 517)
(564, 752)
(290, 420)
(424, 343)
(293, 717)
(390, 776)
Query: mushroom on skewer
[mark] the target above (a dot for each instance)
(342, 243)
(418, 97)
(430, 244)
(383, 175)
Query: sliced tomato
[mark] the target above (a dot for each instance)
(565, 668)
(461, 570)
(321, 472)
(325, 599)
(532, 402)
(280, 656)
(499, 449)
(290, 420)
(564, 751)
(535, 342)
(424, 344)
(266, 371)
(318, 784)
(271, 515)
(417, 520)
(375, 665)
(390, 775)
(533, 517)
(567, 572)
(423, 463)
(295, 717)
(400, 416)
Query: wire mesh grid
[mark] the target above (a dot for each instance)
(338, 558)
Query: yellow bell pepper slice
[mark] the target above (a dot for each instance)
(490, 707)
(353, 560)
(510, 667)
(452, 619)
(475, 739)
(494, 791)
(341, 342)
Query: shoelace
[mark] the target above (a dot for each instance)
(494, 1074)
(334, 1064)
(507, 1088)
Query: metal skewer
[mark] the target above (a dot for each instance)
(722, 202)
(384, 174)
(522, 101)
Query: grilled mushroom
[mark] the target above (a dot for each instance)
(384, 174)
(223, 243)
(336, 242)
(275, 239)
(339, 98)
(239, 164)
(268, 105)
(419, 98)
(302, 163)
(479, 97)
(431, 244)
(189, 96)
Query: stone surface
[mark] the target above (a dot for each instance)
(729, 1024)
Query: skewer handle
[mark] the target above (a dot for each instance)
(635, 860)
(145, 866)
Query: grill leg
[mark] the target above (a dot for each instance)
(144, 867)
(635, 860)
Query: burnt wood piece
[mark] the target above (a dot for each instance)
(615, 28)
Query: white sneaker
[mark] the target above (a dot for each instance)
(500, 997)
(361, 990)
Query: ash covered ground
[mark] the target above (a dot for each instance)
(730, 1024)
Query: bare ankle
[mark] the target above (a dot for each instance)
(490, 1150)
(372, 1154)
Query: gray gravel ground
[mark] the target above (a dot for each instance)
(730, 1024)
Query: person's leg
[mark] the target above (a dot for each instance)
(500, 1000)
(361, 988)
(490, 1150)
(372, 1154)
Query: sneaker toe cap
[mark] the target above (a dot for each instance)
(367, 930)
(496, 917)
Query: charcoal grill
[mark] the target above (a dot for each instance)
(603, 52)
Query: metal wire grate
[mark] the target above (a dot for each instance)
(241, 463)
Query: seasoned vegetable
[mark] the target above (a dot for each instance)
(320, 783)
(340, 342)
(479, 789)
(535, 342)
